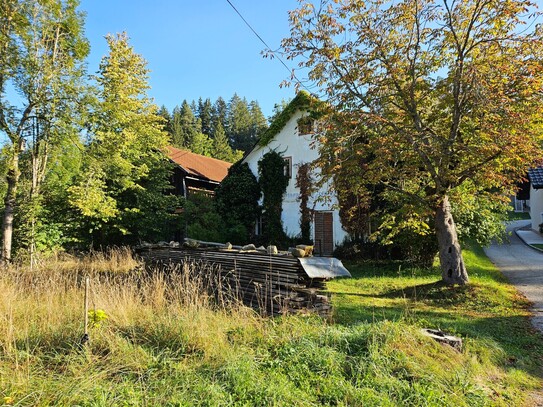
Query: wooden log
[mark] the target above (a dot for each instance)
(269, 283)
(444, 338)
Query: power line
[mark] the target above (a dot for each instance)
(268, 47)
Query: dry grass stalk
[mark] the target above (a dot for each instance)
(43, 307)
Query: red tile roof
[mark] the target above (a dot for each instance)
(198, 165)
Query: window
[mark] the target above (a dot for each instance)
(288, 167)
(305, 125)
(260, 226)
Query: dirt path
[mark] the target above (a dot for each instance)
(523, 266)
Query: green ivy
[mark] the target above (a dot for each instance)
(236, 200)
(273, 183)
(302, 101)
(304, 183)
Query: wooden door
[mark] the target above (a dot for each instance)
(324, 233)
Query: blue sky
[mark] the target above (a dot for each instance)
(197, 48)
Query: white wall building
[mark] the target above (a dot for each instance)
(536, 196)
(295, 143)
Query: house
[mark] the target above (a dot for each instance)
(535, 176)
(195, 173)
(291, 134)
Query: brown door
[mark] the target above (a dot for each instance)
(324, 234)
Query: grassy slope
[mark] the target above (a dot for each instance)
(163, 345)
(489, 314)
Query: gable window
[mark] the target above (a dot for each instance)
(305, 125)
(288, 167)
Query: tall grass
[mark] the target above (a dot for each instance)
(173, 339)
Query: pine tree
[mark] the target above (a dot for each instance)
(185, 126)
(239, 124)
(202, 144)
(165, 114)
(205, 114)
(220, 114)
(258, 121)
(221, 149)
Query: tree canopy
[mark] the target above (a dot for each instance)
(125, 173)
(81, 162)
(442, 100)
(219, 130)
(42, 52)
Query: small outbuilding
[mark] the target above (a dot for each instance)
(195, 173)
(536, 196)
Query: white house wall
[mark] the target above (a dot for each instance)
(536, 207)
(289, 144)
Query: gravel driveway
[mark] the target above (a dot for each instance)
(523, 266)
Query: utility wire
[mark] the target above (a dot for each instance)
(268, 47)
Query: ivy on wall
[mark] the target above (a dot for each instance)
(304, 183)
(273, 183)
(236, 200)
(302, 101)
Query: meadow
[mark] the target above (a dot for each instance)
(169, 341)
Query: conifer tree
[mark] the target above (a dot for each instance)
(221, 149)
(165, 114)
(205, 115)
(220, 114)
(185, 126)
(258, 121)
(202, 144)
(239, 124)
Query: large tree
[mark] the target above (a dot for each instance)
(42, 49)
(221, 149)
(120, 192)
(436, 95)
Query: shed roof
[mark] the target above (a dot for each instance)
(536, 177)
(198, 165)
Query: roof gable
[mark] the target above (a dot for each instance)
(198, 165)
(302, 101)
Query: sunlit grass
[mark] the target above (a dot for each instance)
(169, 341)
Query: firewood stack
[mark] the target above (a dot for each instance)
(273, 284)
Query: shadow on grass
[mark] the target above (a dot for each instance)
(514, 333)
(434, 305)
(436, 292)
(429, 290)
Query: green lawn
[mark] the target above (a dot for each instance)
(166, 344)
(517, 215)
(488, 314)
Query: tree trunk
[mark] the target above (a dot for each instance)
(453, 270)
(39, 164)
(9, 202)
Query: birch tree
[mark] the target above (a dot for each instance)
(42, 49)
